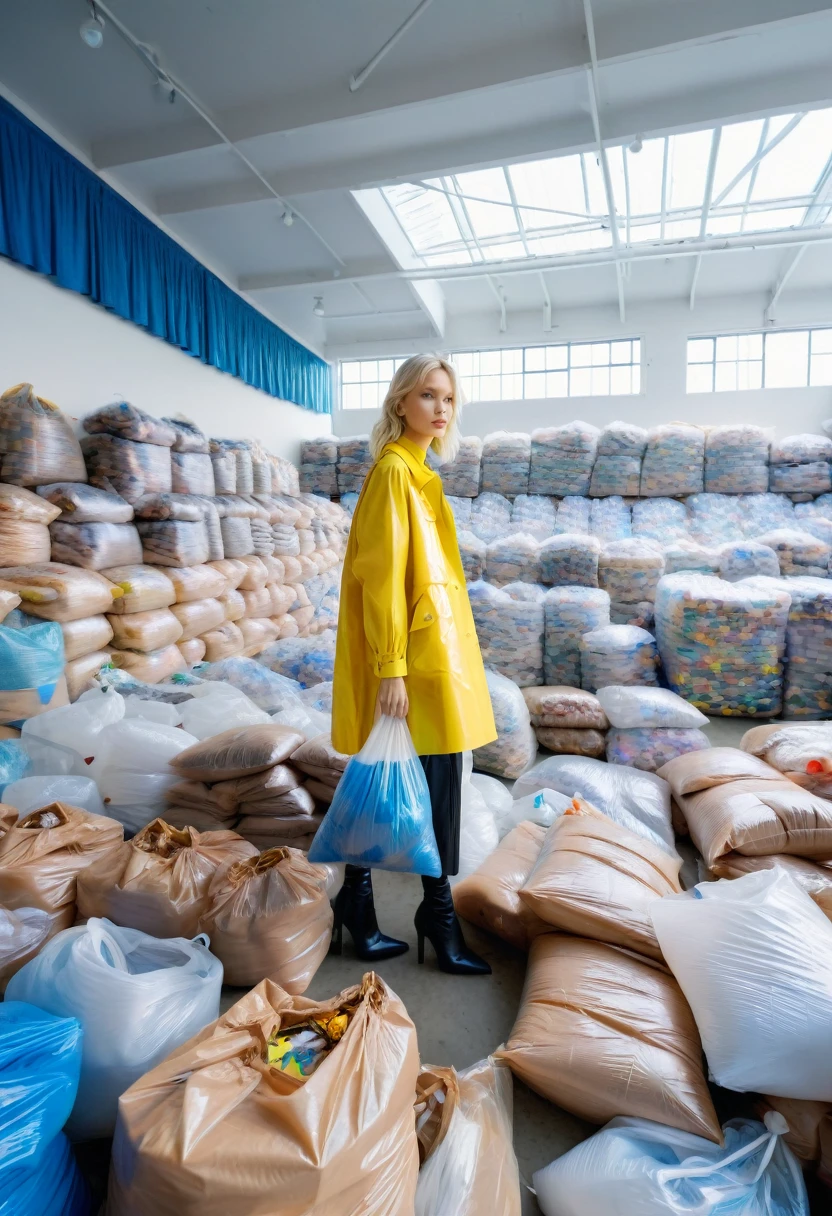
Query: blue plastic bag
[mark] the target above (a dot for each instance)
(31, 654)
(14, 761)
(381, 814)
(40, 1062)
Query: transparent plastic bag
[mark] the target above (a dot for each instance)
(132, 768)
(192, 473)
(381, 814)
(512, 559)
(223, 642)
(754, 959)
(562, 458)
(95, 546)
(129, 422)
(129, 469)
(191, 583)
(569, 613)
(490, 516)
(188, 436)
(31, 793)
(569, 560)
(80, 673)
(609, 519)
(150, 666)
(510, 626)
(478, 834)
(219, 709)
(137, 998)
(673, 461)
(648, 748)
(86, 635)
(173, 542)
(23, 543)
(515, 747)
(562, 706)
(82, 504)
(145, 630)
(629, 708)
(617, 468)
(143, 589)
(747, 559)
(629, 570)
(618, 654)
(198, 616)
(37, 442)
(268, 690)
(166, 507)
(635, 1167)
(58, 592)
(691, 556)
(22, 934)
(14, 762)
(532, 514)
(798, 552)
(461, 476)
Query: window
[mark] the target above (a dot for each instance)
(364, 383)
(570, 369)
(789, 358)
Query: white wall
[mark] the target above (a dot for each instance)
(664, 329)
(81, 356)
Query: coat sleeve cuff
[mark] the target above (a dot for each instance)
(388, 665)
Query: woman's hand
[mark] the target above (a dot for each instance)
(392, 697)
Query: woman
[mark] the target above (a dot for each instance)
(407, 646)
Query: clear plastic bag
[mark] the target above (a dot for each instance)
(31, 793)
(224, 642)
(237, 540)
(569, 613)
(132, 768)
(219, 709)
(609, 519)
(660, 519)
(142, 588)
(618, 654)
(478, 834)
(747, 559)
(381, 814)
(37, 442)
(510, 626)
(150, 666)
(617, 468)
(129, 422)
(569, 560)
(80, 673)
(798, 552)
(163, 507)
(145, 630)
(77, 726)
(198, 616)
(736, 459)
(490, 516)
(173, 542)
(532, 514)
(513, 559)
(95, 546)
(571, 741)
(515, 747)
(188, 436)
(268, 690)
(629, 708)
(635, 1167)
(22, 934)
(673, 461)
(629, 570)
(85, 636)
(689, 555)
(192, 473)
(562, 458)
(807, 478)
(562, 706)
(82, 504)
(754, 959)
(505, 462)
(648, 748)
(137, 998)
(129, 469)
(191, 583)
(461, 476)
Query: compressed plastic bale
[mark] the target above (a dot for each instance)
(609, 519)
(259, 603)
(151, 666)
(714, 518)
(570, 612)
(816, 525)
(798, 552)
(629, 570)
(571, 741)
(660, 519)
(569, 560)
(158, 882)
(84, 636)
(192, 583)
(185, 508)
(31, 667)
(562, 706)
(281, 598)
(515, 748)
(813, 878)
(617, 654)
(79, 673)
(192, 651)
(722, 643)
(37, 442)
(142, 589)
(510, 625)
(258, 634)
(617, 467)
(95, 546)
(129, 422)
(673, 462)
(145, 630)
(806, 448)
(533, 514)
(129, 469)
(461, 476)
(237, 540)
(764, 513)
(489, 897)
(231, 569)
(648, 748)
(746, 1003)
(573, 516)
(173, 542)
(461, 508)
(646, 1061)
(24, 534)
(351, 477)
(736, 459)
(513, 559)
(192, 473)
(505, 462)
(747, 559)
(222, 643)
(196, 617)
(319, 478)
(807, 690)
(42, 855)
(807, 478)
(690, 556)
(490, 516)
(598, 879)
(562, 458)
(187, 435)
(321, 450)
(225, 471)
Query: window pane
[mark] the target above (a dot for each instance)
(512, 361)
(620, 352)
(535, 358)
(637, 378)
(385, 370)
(621, 379)
(557, 357)
(489, 388)
(581, 356)
(821, 369)
(351, 397)
(750, 346)
(726, 377)
(821, 341)
(787, 357)
(490, 362)
(700, 378)
(464, 364)
(726, 348)
(557, 384)
(466, 383)
(600, 354)
(700, 350)
(580, 384)
(369, 396)
(750, 375)
(535, 385)
(350, 373)
(600, 381)
(513, 387)
(369, 371)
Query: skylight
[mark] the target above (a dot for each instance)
(769, 174)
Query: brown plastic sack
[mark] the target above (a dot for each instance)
(214, 1131)
(293, 804)
(145, 630)
(232, 570)
(143, 588)
(158, 881)
(152, 666)
(42, 855)
(294, 832)
(8, 818)
(201, 820)
(95, 546)
(197, 617)
(197, 796)
(702, 770)
(79, 673)
(223, 642)
(257, 634)
(569, 741)
(559, 705)
(233, 605)
(265, 787)
(598, 879)
(814, 879)
(86, 635)
(256, 573)
(81, 504)
(810, 1126)
(237, 752)
(55, 592)
(269, 917)
(318, 755)
(490, 896)
(23, 543)
(320, 792)
(192, 651)
(37, 443)
(602, 1033)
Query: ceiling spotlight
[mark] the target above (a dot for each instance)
(92, 32)
(288, 218)
(637, 144)
(318, 306)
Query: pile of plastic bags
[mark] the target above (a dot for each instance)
(617, 468)
(736, 459)
(534, 514)
(569, 613)
(490, 516)
(318, 472)
(505, 463)
(673, 461)
(510, 626)
(461, 476)
(650, 726)
(800, 465)
(514, 749)
(562, 458)
(617, 654)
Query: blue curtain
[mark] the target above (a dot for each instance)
(58, 218)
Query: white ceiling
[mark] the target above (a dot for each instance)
(472, 83)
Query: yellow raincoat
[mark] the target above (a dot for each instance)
(405, 612)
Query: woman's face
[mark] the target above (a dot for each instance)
(428, 409)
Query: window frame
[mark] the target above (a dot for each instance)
(739, 361)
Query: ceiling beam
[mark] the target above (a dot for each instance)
(651, 28)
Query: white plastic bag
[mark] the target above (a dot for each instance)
(152, 711)
(137, 998)
(218, 707)
(32, 793)
(22, 932)
(753, 956)
(478, 835)
(638, 801)
(634, 1167)
(131, 768)
(78, 726)
(543, 807)
(312, 722)
(631, 707)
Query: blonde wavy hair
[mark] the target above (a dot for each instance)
(390, 426)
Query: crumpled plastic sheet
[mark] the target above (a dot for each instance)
(617, 468)
(660, 519)
(515, 748)
(648, 748)
(736, 459)
(562, 458)
(690, 555)
(505, 462)
(512, 559)
(461, 508)
(609, 518)
(798, 552)
(490, 516)
(534, 514)
(618, 654)
(673, 461)
(569, 613)
(714, 518)
(307, 660)
(573, 515)
(570, 560)
(746, 559)
(509, 623)
(722, 643)
(461, 476)
(810, 478)
(629, 570)
(472, 551)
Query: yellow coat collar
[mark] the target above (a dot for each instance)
(414, 458)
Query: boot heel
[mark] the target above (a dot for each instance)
(336, 945)
(420, 956)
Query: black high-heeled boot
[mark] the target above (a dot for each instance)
(436, 920)
(354, 907)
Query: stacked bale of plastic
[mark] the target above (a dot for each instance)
(714, 519)
(37, 442)
(473, 552)
(688, 554)
(629, 571)
(674, 461)
(460, 476)
(573, 515)
(610, 519)
(799, 464)
(569, 613)
(534, 514)
(722, 643)
(172, 530)
(746, 559)
(24, 526)
(145, 630)
(807, 685)
(490, 516)
(318, 467)
(562, 458)
(618, 654)
(461, 508)
(513, 559)
(618, 457)
(736, 459)
(569, 560)
(764, 512)
(660, 519)
(236, 514)
(505, 463)
(510, 623)
(799, 552)
(192, 471)
(127, 451)
(354, 463)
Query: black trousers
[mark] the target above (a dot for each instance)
(444, 778)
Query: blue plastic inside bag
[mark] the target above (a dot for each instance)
(381, 815)
(14, 762)
(31, 654)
